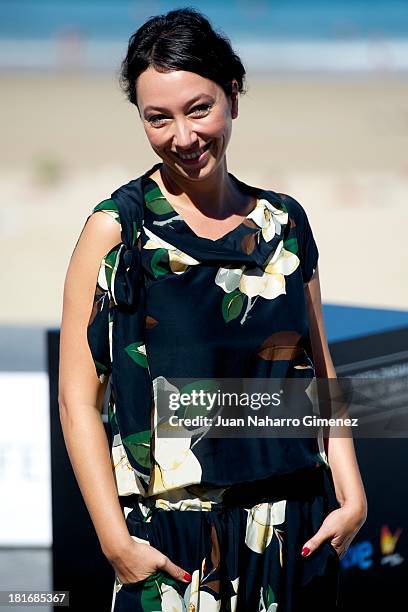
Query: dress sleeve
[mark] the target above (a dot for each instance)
(301, 239)
(100, 320)
(308, 251)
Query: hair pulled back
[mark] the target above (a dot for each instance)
(182, 39)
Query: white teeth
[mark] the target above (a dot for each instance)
(191, 155)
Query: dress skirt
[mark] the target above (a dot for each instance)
(244, 553)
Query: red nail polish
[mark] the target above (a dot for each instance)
(187, 576)
(305, 551)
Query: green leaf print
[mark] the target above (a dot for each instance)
(139, 446)
(205, 385)
(232, 305)
(137, 352)
(110, 260)
(270, 596)
(153, 589)
(135, 229)
(281, 205)
(108, 204)
(291, 245)
(100, 367)
(112, 420)
(159, 267)
(157, 203)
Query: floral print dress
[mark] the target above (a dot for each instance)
(169, 304)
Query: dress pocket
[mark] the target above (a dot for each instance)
(132, 586)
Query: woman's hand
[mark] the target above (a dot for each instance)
(137, 561)
(340, 527)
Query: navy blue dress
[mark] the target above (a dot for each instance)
(170, 305)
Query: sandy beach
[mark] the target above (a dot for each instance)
(338, 145)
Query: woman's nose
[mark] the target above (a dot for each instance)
(184, 136)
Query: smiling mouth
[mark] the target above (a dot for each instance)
(195, 155)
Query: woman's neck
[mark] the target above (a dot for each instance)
(217, 196)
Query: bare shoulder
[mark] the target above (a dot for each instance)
(100, 234)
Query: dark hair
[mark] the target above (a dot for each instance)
(182, 39)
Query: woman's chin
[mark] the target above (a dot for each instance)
(198, 170)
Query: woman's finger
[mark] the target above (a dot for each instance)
(314, 542)
(175, 571)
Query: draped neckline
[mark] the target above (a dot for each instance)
(176, 216)
(252, 243)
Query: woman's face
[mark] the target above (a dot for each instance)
(187, 119)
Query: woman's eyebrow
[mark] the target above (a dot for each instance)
(189, 103)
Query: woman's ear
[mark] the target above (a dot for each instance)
(234, 99)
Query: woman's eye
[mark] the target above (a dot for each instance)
(156, 119)
(201, 110)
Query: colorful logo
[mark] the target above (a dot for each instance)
(388, 542)
(360, 554)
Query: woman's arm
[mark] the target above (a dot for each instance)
(80, 400)
(340, 450)
(81, 393)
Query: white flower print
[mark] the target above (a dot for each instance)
(267, 282)
(269, 218)
(175, 464)
(261, 520)
(178, 260)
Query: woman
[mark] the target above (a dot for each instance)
(204, 278)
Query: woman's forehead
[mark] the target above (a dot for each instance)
(177, 86)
